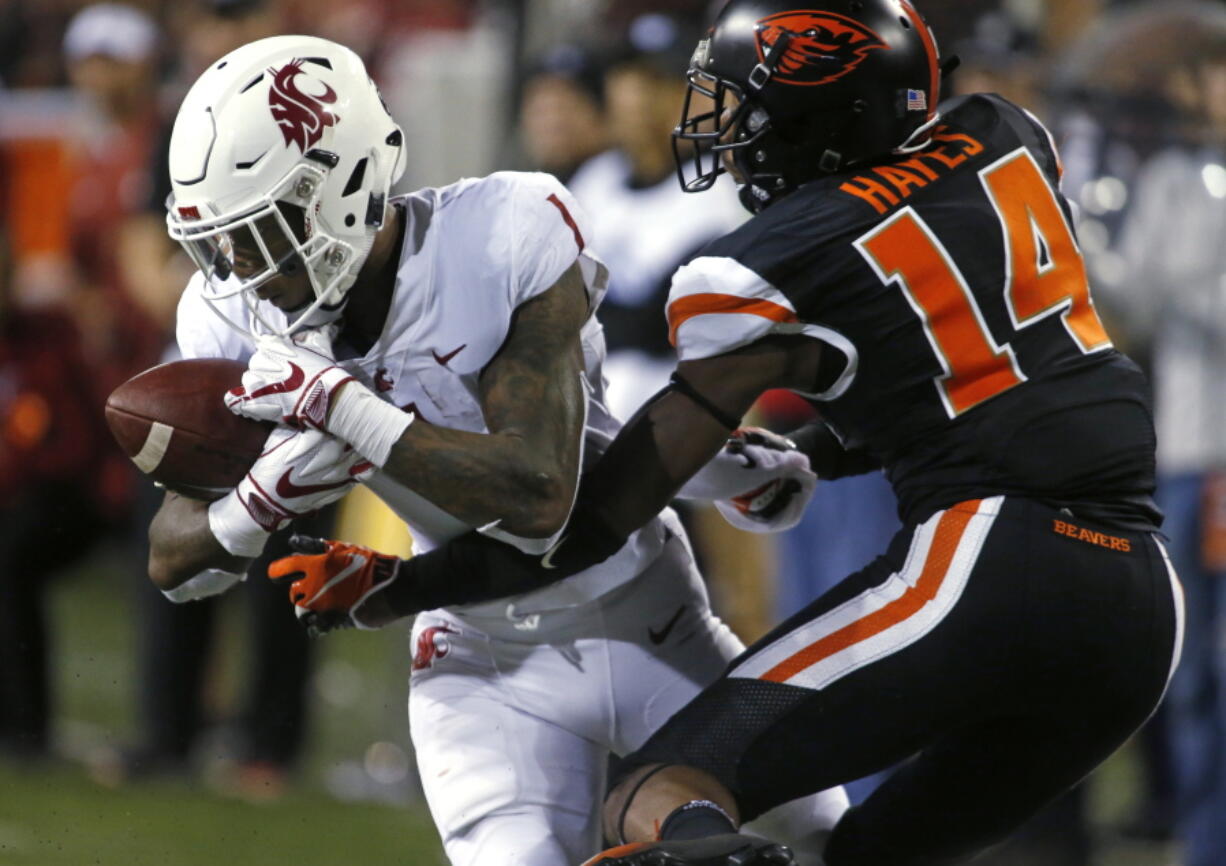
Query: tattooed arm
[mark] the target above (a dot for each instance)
(524, 471)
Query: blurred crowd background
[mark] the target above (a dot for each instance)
(107, 691)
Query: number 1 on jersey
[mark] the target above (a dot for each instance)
(1044, 274)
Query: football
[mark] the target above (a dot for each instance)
(173, 424)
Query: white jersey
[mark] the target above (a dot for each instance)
(473, 253)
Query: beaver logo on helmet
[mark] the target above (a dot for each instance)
(824, 47)
(301, 116)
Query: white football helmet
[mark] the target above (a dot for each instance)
(286, 145)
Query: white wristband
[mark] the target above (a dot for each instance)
(234, 527)
(213, 581)
(369, 424)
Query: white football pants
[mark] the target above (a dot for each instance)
(513, 718)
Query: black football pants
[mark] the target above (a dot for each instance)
(1000, 650)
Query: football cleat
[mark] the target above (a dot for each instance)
(728, 849)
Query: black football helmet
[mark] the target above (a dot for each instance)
(801, 89)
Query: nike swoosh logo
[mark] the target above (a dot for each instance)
(356, 564)
(293, 383)
(658, 637)
(286, 488)
(443, 359)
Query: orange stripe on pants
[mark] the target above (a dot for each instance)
(941, 553)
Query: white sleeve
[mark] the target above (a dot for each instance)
(550, 233)
(717, 305)
(201, 333)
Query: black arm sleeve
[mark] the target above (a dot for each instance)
(653, 455)
(475, 568)
(827, 456)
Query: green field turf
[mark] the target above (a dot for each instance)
(57, 814)
(335, 813)
(55, 817)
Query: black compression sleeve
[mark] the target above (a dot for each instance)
(678, 383)
(827, 456)
(462, 571)
(475, 568)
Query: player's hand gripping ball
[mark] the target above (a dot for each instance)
(299, 472)
(297, 383)
(289, 381)
(331, 581)
(171, 423)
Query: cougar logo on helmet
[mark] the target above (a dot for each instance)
(824, 46)
(301, 116)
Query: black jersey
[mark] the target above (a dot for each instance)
(951, 284)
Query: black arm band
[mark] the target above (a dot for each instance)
(827, 456)
(678, 383)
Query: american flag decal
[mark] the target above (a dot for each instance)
(917, 100)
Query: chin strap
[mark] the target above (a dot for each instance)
(760, 74)
(919, 139)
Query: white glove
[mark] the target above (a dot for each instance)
(759, 481)
(297, 383)
(299, 472)
(750, 458)
(289, 383)
(776, 506)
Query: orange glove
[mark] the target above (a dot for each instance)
(329, 581)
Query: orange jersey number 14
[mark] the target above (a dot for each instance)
(1044, 275)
